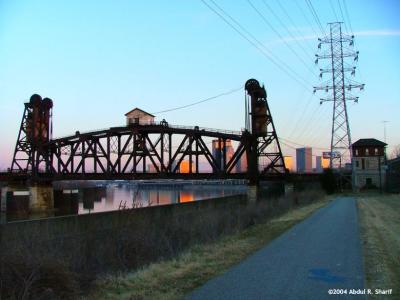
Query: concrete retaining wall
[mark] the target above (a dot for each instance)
(127, 238)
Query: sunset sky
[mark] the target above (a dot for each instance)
(99, 59)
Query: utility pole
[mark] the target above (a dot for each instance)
(384, 130)
(339, 49)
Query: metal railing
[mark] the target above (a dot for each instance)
(161, 123)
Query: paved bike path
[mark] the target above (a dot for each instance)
(321, 253)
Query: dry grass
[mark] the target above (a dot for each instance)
(173, 279)
(380, 230)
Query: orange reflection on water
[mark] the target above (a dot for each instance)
(186, 196)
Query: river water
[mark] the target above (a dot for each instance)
(86, 197)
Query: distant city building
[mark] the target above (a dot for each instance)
(138, 116)
(289, 164)
(321, 163)
(318, 164)
(241, 166)
(369, 158)
(152, 169)
(304, 160)
(218, 150)
(184, 167)
(325, 163)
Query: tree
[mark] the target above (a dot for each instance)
(395, 152)
(328, 181)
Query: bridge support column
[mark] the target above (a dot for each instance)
(252, 193)
(14, 202)
(3, 205)
(41, 200)
(66, 202)
(289, 188)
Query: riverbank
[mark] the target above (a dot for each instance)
(173, 279)
(380, 230)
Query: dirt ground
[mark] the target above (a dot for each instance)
(380, 230)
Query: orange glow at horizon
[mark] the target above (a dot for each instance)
(184, 167)
(324, 163)
(186, 196)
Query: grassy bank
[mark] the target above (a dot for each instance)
(173, 279)
(380, 231)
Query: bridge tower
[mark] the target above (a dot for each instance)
(31, 153)
(264, 153)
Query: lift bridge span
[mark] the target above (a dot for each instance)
(149, 151)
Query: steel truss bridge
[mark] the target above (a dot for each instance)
(150, 151)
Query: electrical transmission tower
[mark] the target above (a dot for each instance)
(338, 51)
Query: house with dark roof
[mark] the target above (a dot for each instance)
(138, 116)
(369, 163)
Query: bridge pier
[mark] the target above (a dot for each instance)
(66, 202)
(3, 205)
(21, 201)
(41, 200)
(289, 188)
(252, 193)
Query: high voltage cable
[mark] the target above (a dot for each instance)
(292, 22)
(322, 115)
(201, 101)
(257, 41)
(279, 35)
(288, 31)
(309, 121)
(315, 15)
(290, 146)
(327, 125)
(299, 144)
(334, 11)
(296, 124)
(351, 31)
(348, 17)
(268, 56)
(341, 12)
(306, 18)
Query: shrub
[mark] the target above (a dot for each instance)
(328, 181)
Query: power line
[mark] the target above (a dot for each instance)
(299, 144)
(292, 22)
(280, 36)
(305, 17)
(341, 13)
(315, 15)
(306, 125)
(334, 11)
(201, 101)
(290, 146)
(259, 43)
(347, 15)
(269, 56)
(287, 30)
(302, 115)
(255, 39)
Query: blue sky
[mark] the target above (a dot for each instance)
(99, 59)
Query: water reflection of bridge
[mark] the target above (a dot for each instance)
(73, 198)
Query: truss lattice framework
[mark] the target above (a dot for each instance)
(340, 86)
(141, 149)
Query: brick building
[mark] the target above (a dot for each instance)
(369, 158)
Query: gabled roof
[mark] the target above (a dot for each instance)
(369, 142)
(139, 110)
